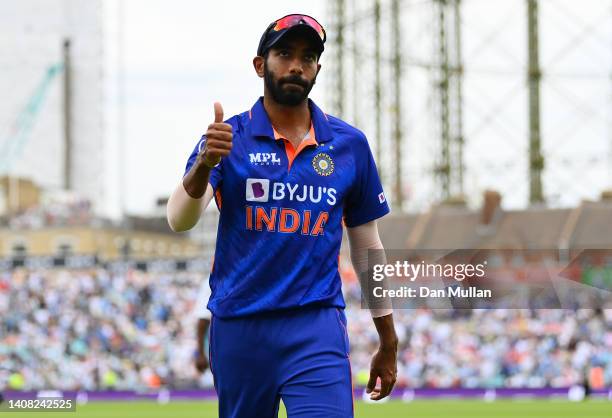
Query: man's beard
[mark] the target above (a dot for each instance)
(284, 96)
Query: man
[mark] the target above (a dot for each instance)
(285, 176)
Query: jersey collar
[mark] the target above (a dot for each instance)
(261, 126)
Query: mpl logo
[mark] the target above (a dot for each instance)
(257, 190)
(264, 158)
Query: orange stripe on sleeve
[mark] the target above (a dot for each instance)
(218, 198)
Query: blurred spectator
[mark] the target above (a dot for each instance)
(56, 213)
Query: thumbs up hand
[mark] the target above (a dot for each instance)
(218, 140)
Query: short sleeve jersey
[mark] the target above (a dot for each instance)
(282, 211)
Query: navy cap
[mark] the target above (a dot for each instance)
(292, 23)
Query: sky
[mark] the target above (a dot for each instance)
(182, 56)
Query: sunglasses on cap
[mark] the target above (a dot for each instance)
(290, 21)
(277, 29)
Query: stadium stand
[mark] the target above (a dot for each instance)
(94, 329)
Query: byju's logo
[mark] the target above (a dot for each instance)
(264, 158)
(257, 190)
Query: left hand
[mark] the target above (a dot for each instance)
(201, 363)
(383, 366)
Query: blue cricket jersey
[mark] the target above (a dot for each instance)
(281, 212)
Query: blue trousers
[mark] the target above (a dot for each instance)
(299, 356)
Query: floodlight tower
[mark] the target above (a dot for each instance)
(356, 57)
(397, 102)
(458, 138)
(378, 90)
(449, 73)
(443, 167)
(534, 76)
(339, 25)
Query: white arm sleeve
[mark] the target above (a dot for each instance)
(183, 211)
(361, 239)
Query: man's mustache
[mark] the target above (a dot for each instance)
(294, 80)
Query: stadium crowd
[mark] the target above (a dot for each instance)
(74, 212)
(97, 329)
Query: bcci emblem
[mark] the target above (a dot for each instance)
(323, 164)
